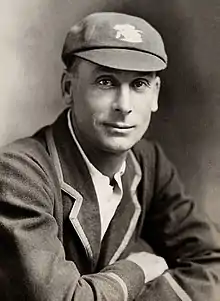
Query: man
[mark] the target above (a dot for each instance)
(90, 210)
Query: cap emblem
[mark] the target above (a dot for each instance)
(128, 33)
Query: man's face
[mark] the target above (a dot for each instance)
(111, 108)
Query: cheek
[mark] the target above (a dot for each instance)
(90, 108)
(99, 102)
(142, 108)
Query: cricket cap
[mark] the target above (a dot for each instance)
(116, 40)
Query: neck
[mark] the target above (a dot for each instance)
(107, 163)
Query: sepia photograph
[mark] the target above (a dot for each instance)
(110, 150)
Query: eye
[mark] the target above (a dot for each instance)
(141, 84)
(105, 82)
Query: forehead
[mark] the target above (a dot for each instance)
(92, 69)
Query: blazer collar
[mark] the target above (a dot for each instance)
(75, 180)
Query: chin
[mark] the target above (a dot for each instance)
(119, 147)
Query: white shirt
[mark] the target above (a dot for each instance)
(108, 198)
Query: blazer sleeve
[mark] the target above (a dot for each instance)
(32, 258)
(182, 234)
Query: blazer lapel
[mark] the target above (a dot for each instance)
(126, 217)
(75, 180)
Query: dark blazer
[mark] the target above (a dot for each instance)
(50, 248)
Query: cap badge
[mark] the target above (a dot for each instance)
(128, 33)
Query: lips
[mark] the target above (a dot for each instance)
(119, 125)
(118, 129)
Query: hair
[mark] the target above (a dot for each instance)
(73, 63)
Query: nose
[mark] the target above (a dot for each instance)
(122, 101)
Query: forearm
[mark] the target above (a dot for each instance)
(161, 289)
(158, 278)
(33, 267)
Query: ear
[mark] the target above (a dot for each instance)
(157, 85)
(66, 87)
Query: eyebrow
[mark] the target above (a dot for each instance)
(100, 69)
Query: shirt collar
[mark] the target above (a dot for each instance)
(92, 169)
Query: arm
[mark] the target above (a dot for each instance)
(32, 258)
(184, 236)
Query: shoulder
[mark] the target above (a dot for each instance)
(147, 149)
(153, 160)
(144, 145)
(26, 152)
(32, 144)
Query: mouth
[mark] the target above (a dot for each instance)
(119, 127)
